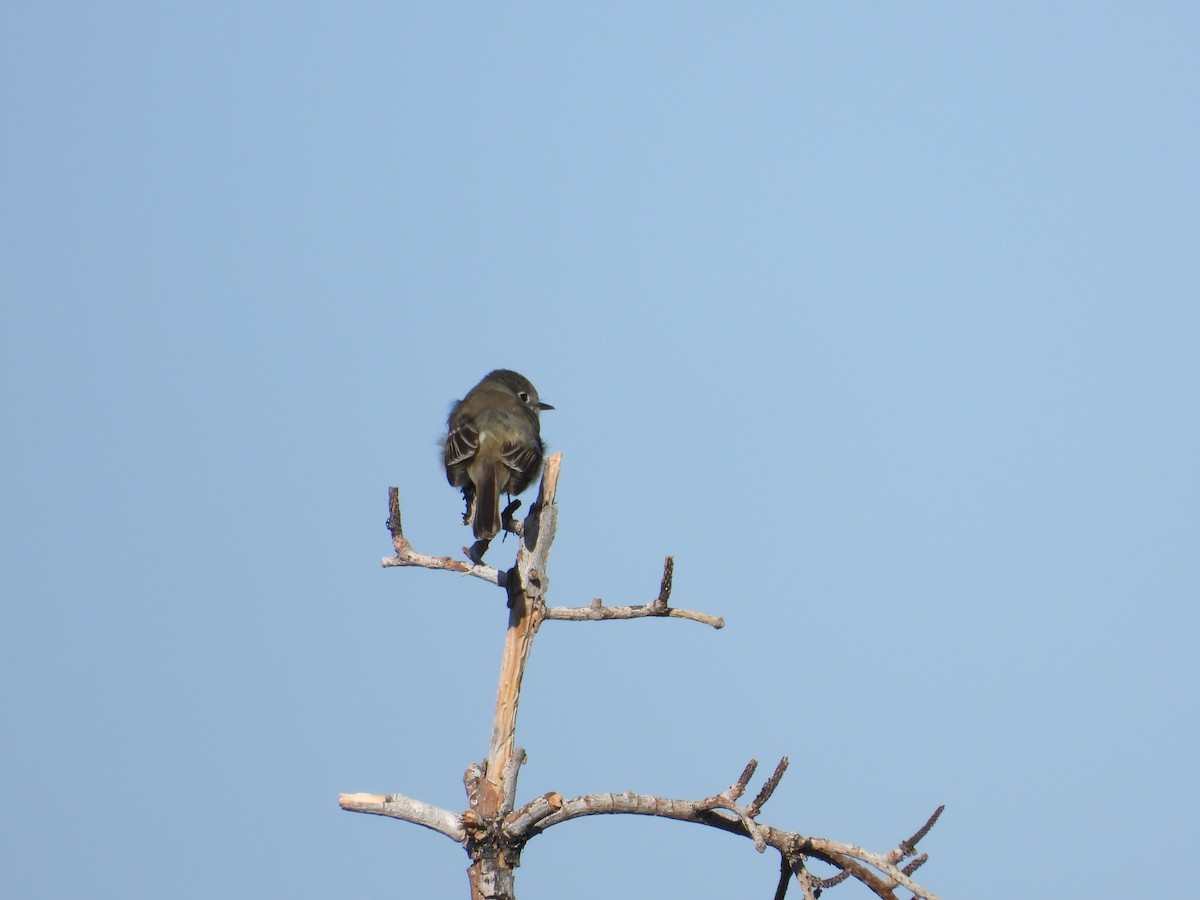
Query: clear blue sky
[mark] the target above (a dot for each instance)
(882, 318)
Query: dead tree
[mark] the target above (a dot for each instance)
(494, 831)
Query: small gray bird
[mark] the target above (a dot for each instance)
(494, 446)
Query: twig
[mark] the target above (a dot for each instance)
(796, 867)
(909, 847)
(598, 612)
(834, 879)
(407, 556)
(785, 878)
(768, 788)
(739, 787)
(664, 586)
(915, 864)
(728, 800)
(896, 877)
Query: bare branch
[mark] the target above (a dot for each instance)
(598, 612)
(509, 779)
(536, 817)
(768, 788)
(728, 800)
(785, 878)
(398, 806)
(882, 862)
(407, 556)
(796, 867)
(739, 787)
(494, 834)
(836, 879)
(880, 887)
(521, 821)
(806, 884)
(915, 864)
(664, 587)
(909, 847)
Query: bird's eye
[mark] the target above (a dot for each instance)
(524, 396)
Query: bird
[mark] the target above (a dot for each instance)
(493, 445)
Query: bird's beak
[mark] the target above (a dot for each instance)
(544, 405)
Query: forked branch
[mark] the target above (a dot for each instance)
(598, 612)
(724, 812)
(407, 555)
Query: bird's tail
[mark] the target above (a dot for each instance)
(486, 521)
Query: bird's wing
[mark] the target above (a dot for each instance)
(461, 444)
(523, 462)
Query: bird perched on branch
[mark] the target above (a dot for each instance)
(494, 445)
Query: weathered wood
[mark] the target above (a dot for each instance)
(494, 834)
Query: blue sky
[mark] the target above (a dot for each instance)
(881, 318)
